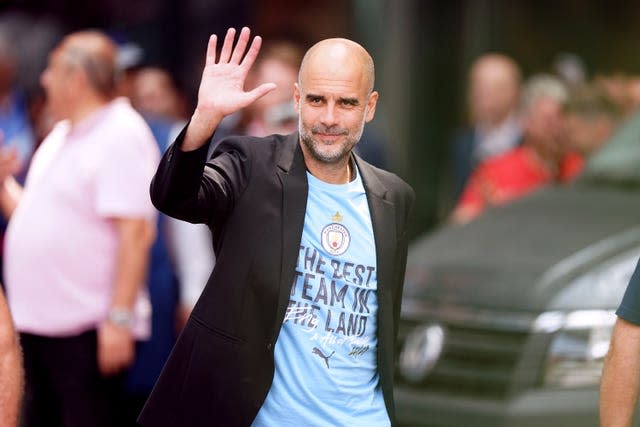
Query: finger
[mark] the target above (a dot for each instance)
(211, 50)
(111, 365)
(241, 46)
(103, 364)
(225, 54)
(107, 370)
(252, 54)
(110, 370)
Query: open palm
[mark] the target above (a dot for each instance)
(221, 89)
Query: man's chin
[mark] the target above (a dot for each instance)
(331, 158)
(329, 153)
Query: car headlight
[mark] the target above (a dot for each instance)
(581, 337)
(422, 349)
(578, 348)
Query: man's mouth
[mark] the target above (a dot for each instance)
(329, 135)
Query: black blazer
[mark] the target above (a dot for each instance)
(253, 196)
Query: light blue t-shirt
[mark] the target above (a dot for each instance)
(326, 353)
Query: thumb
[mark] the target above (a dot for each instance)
(261, 91)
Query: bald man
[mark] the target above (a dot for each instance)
(77, 245)
(297, 323)
(494, 124)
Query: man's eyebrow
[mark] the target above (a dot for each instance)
(350, 101)
(343, 100)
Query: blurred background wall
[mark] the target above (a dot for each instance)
(422, 49)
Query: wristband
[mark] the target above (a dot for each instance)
(120, 317)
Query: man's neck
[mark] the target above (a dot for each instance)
(86, 109)
(333, 173)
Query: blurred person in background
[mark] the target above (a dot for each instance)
(17, 138)
(625, 133)
(623, 89)
(633, 91)
(78, 241)
(11, 373)
(495, 126)
(274, 113)
(155, 93)
(17, 131)
(591, 117)
(541, 159)
(571, 69)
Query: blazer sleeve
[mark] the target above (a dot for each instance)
(188, 187)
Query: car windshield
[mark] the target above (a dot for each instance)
(618, 162)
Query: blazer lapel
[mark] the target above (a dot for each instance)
(293, 176)
(384, 226)
(383, 219)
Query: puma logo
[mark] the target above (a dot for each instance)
(317, 351)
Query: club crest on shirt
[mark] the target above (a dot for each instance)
(335, 237)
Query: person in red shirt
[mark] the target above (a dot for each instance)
(542, 158)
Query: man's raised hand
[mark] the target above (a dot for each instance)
(221, 89)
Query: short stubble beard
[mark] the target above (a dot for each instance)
(307, 138)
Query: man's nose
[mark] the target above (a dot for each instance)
(329, 115)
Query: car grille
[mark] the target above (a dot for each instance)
(475, 360)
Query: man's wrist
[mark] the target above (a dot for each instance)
(199, 130)
(121, 317)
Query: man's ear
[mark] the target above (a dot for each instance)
(371, 106)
